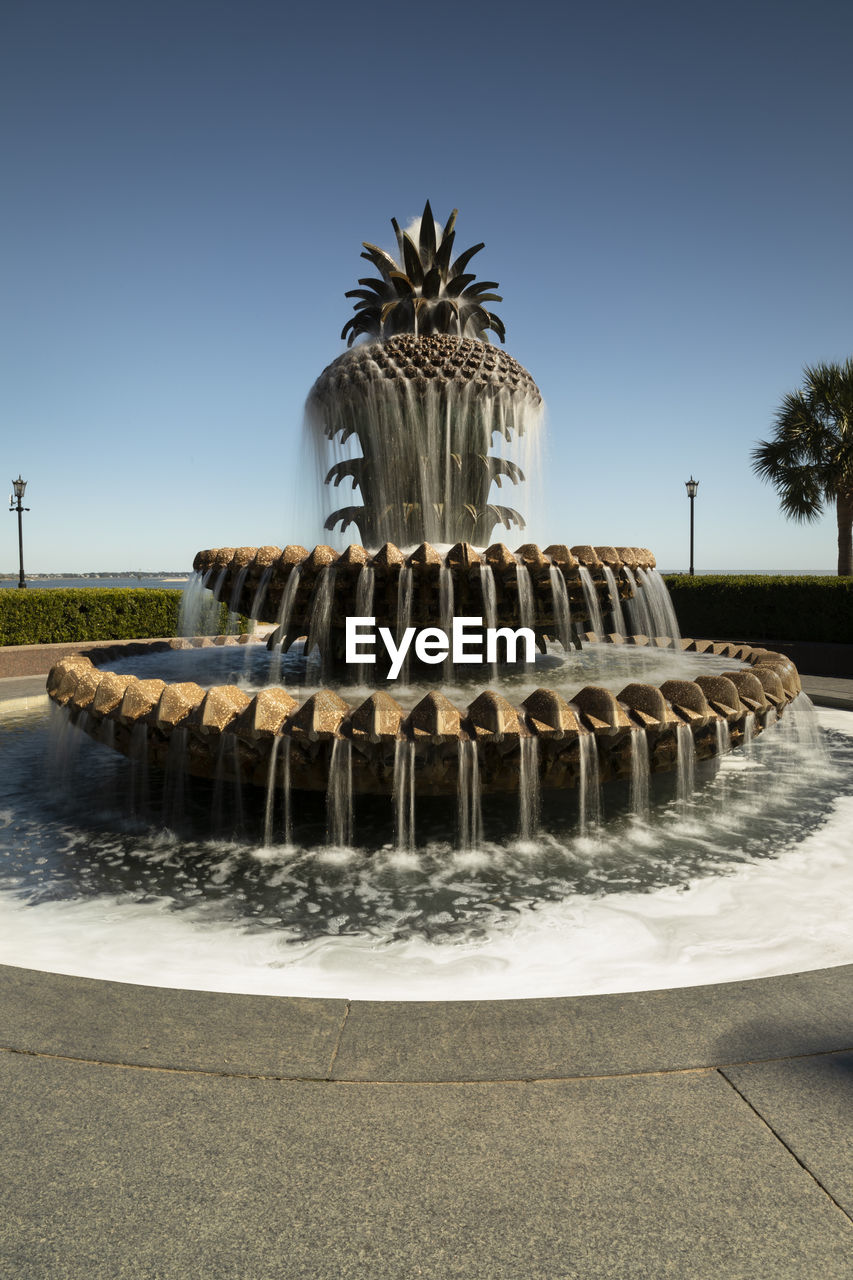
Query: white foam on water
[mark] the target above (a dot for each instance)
(777, 915)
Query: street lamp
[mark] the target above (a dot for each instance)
(19, 486)
(691, 486)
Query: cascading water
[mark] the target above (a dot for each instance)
(589, 786)
(431, 481)
(640, 774)
(287, 815)
(233, 624)
(261, 594)
(445, 605)
(561, 607)
(638, 609)
(615, 604)
(528, 786)
(685, 773)
(139, 772)
(317, 647)
(724, 737)
(591, 598)
(269, 806)
(660, 608)
(281, 747)
(490, 606)
(526, 603)
(364, 608)
(199, 609)
(339, 795)
(175, 779)
(526, 599)
(288, 600)
(469, 795)
(404, 615)
(403, 795)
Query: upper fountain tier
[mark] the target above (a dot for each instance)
(554, 592)
(424, 399)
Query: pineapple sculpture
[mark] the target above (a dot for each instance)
(414, 410)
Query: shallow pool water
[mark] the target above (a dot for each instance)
(110, 870)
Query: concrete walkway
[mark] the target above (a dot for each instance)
(697, 1133)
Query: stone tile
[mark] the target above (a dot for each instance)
(597, 1035)
(117, 1174)
(71, 1017)
(808, 1102)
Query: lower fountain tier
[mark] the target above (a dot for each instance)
(224, 732)
(555, 591)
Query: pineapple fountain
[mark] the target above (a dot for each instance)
(295, 819)
(413, 412)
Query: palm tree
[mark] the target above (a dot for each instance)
(810, 457)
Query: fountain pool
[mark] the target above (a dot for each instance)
(105, 871)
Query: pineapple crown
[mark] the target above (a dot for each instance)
(425, 292)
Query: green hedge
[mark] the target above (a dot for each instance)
(59, 615)
(753, 607)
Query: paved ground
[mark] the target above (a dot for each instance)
(160, 1135)
(702, 1133)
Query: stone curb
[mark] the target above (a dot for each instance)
(334, 1040)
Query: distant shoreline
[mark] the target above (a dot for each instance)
(184, 575)
(173, 575)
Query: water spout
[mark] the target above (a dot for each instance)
(339, 795)
(639, 793)
(445, 606)
(591, 598)
(269, 805)
(589, 787)
(285, 610)
(490, 605)
(469, 796)
(640, 619)
(562, 608)
(404, 615)
(528, 786)
(615, 603)
(404, 794)
(317, 647)
(655, 594)
(364, 609)
(686, 755)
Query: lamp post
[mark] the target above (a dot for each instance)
(19, 486)
(691, 486)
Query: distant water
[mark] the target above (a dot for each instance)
(176, 581)
(764, 573)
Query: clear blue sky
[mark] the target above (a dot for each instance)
(664, 189)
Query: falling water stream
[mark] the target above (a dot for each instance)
(404, 615)
(591, 598)
(288, 599)
(615, 603)
(640, 775)
(562, 609)
(403, 794)
(364, 608)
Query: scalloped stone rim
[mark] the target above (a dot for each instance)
(92, 697)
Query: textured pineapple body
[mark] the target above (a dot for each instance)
(422, 360)
(425, 412)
